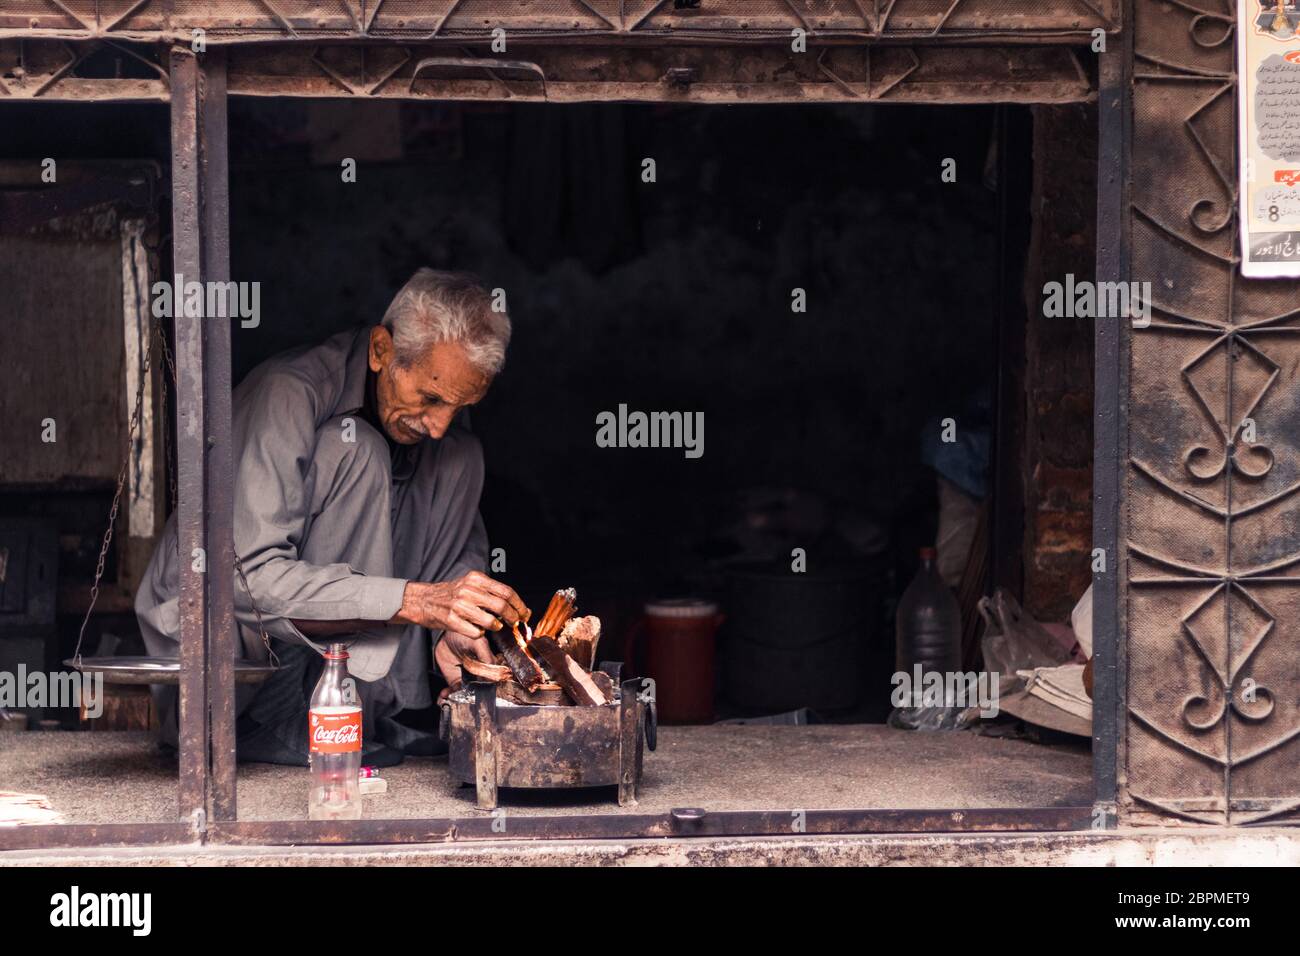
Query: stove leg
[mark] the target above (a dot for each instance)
(485, 744)
(627, 731)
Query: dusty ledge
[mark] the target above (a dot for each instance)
(1155, 847)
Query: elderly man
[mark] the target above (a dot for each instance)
(356, 519)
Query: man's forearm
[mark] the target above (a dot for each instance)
(416, 597)
(469, 606)
(298, 600)
(313, 628)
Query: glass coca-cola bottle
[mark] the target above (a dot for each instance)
(334, 741)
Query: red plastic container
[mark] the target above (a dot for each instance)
(675, 644)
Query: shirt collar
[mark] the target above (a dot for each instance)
(357, 399)
(355, 372)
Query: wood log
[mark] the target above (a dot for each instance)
(562, 607)
(496, 673)
(604, 682)
(580, 638)
(577, 683)
(547, 695)
(525, 670)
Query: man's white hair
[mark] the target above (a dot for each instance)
(436, 307)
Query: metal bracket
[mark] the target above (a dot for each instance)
(485, 744)
(682, 76)
(628, 727)
(647, 697)
(1105, 816)
(524, 69)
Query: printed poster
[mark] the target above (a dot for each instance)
(1268, 111)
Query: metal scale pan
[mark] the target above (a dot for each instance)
(158, 670)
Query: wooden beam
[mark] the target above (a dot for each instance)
(577, 683)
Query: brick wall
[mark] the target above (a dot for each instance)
(1059, 359)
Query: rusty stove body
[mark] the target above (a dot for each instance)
(496, 743)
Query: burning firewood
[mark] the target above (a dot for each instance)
(495, 673)
(550, 665)
(513, 649)
(579, 639)
(562, 607)
(577, 683)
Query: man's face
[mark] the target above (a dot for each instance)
(420, 400)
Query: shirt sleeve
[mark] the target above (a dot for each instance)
(275, 440)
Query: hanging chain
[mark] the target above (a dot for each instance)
(257, 612)
(163, 409)
(126, 464)
(132, 429)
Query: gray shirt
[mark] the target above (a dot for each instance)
(277, 413)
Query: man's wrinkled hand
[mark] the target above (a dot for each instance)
(464, 609)
(470, 605)
(447, 654)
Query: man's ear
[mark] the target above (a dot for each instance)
(381, 348)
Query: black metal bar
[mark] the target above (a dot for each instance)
(567, 827)
(191, 448)
(75, 835)
(223, 645)
(604, 826)
(1110, 434)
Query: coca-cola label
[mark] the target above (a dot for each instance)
(334, 732)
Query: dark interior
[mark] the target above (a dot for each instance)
(673, 295)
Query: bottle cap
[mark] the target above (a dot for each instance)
(336, 652)
(928, 553)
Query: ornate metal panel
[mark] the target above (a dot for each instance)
(1210, 530)
(653, 20)
(110, 69)
(1212, 491)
